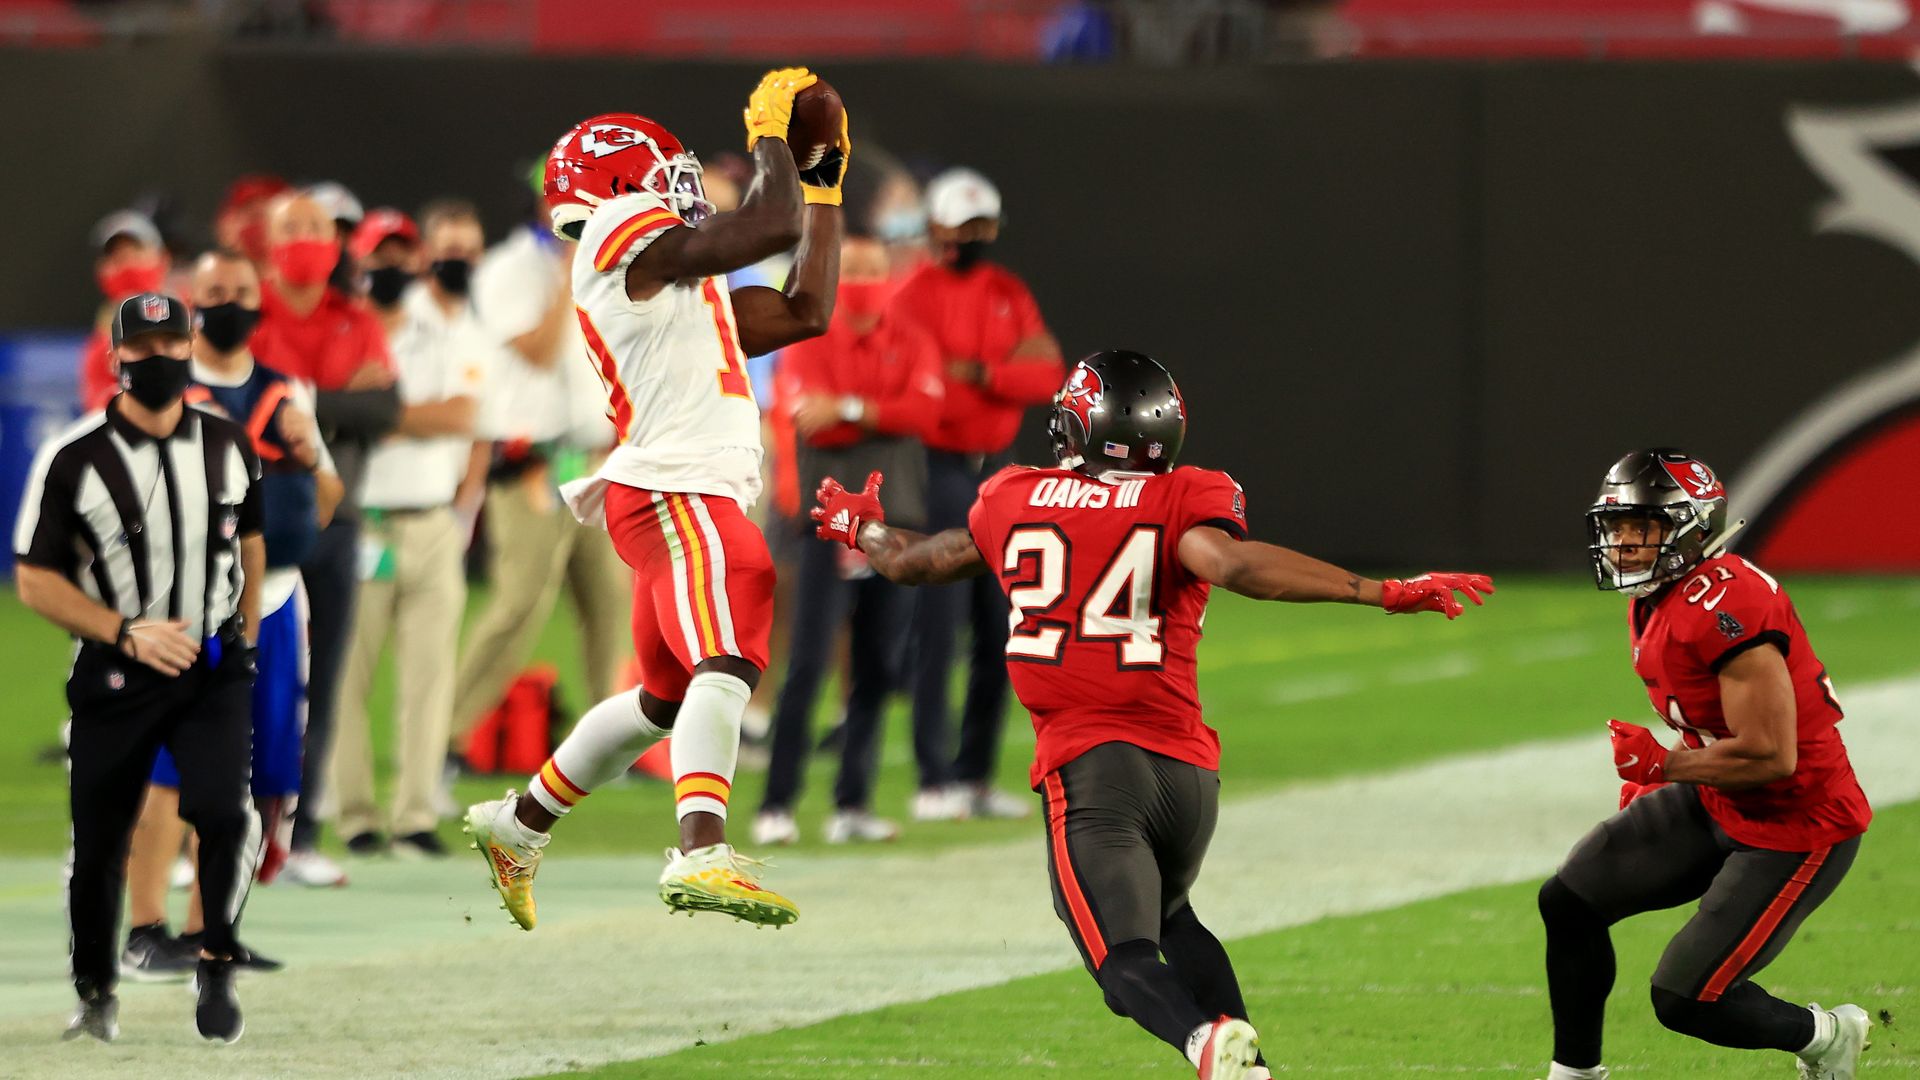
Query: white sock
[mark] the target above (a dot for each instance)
(1197, 1043)
(706, 743)
(1562, 1072)
(599, 748)
(1824, 1029)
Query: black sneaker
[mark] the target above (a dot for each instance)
(420, 845)
(152, 956)
(98, 1016)
(218, 1015)
(366, 843)
(243, 958)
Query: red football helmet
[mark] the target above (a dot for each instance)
(615, 154)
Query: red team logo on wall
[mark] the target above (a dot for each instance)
(1082, 395)
(1695, 479)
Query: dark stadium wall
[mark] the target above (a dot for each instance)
(1416, 308)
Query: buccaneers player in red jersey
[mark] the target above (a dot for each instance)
(1107, 561)
(1756, 814)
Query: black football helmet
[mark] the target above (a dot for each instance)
(1118, 412)
(1664, 487)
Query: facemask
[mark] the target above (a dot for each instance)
(124, 281)
(155, 381)
(228, 326)
(968, 253)
(452, 274)
(386, 284)
(305, 262)
(899, 225)
(864, 299)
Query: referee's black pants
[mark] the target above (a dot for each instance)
(123, 712)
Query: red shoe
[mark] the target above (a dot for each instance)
(1229, 1051)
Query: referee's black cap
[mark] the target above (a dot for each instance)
(150, 313)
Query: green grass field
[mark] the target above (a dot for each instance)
(1447, 984)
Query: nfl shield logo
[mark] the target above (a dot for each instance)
(154, 307)
(116, 680)
(229, 525)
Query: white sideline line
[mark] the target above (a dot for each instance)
(398, 982)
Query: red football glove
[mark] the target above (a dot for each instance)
(842, 512)
(1637, 756)
(1630, 791)
(1433, 592)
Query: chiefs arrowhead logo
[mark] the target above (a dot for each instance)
(1082, 395)
(604, 139)
(1695, 479)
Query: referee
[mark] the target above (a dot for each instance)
(140, 535)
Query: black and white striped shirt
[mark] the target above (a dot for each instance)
(148, 527)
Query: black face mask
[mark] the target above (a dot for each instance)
(155, 381)
(453, 275)
(968, 253)
(386, 283)
(228, 326)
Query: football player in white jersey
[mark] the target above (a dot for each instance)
(670, 343)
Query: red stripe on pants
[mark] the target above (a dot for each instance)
(1063, 868)
(1756, 938)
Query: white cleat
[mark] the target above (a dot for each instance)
(860, 826)
(1229, 1051)
(1841, 1059)
(775, 828)
(313, 870)
(1561, 1072)
(985, 801)
(940, 804)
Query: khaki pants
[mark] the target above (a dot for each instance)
(416, 596)
(536, 545)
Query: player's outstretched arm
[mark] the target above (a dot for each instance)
(854, 518)
(1269, 572)
(767, 222)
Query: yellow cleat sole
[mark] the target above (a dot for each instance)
(494, 883)
(757, 912)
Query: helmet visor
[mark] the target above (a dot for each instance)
(678, 180)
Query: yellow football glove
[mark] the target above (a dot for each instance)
(821, 184)
(770, 107)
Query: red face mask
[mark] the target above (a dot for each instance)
(304, 262)
(124, 281)
(864, 299)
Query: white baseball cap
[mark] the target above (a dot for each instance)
(958, 196)
(129, 223)
(339, 203)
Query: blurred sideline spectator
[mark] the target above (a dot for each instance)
(413, 586)
(862, 396)
(299, 492)
(542, 423)
(129, 258)
(309, 330)
(346, 211)
(241, 222)
(999, 359)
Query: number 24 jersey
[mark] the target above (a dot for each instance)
(1105, 621)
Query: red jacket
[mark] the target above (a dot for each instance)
(982, 315)
(896, 368)
(326, 346)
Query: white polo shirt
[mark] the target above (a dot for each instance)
(565, 401)
(436, 356)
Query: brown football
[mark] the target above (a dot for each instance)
(815, 127)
